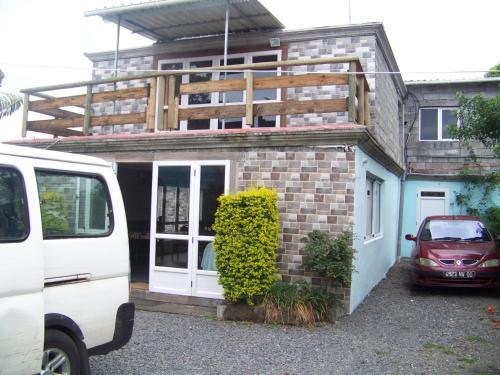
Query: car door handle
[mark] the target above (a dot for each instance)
(67, 279)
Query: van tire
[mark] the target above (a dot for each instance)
(56, 344)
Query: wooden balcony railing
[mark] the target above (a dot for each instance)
(164, 90)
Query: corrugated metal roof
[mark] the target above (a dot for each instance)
(163, 20)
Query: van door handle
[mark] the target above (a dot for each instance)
(67, 279)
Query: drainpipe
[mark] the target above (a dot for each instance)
(401, 189)
(118, 24)
(226, 32)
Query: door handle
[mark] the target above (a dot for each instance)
(67, 279)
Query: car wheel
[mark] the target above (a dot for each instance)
(60, 354)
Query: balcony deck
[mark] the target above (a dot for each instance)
(162, 91)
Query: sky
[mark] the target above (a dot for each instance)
(43, 41)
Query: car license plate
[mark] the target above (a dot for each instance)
(460, 274)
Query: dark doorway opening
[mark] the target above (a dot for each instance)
(135, 183)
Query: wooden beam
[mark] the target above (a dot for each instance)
(172, 102)
(98, 97)
(264, 83)
(26, 107)
(291, 107)
(367, 108)
(249, 99)
(361, 100)
(63, 132)
(130, 118)
(151, 107)
(59, 113)
(351, 110)
(160, 103)
(88, 111)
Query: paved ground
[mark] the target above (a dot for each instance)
(395, 331)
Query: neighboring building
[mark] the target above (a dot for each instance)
(434, 160)
(335, 161)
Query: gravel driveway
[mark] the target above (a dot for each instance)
(394, 331)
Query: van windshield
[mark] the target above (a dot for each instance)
(454, 230)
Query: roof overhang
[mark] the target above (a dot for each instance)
(164, 20)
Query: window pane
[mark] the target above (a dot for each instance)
(14, 221)
(264, 121)
(73, 205)
(171, 253)
(231, 96)
(206, 256)
(198, 124)
(211, 188)
(230, 123)
(172, 207)
(204, 98)
(428, 124)
(369, 201)
(265, 94)
(376, 208)
(449, 118)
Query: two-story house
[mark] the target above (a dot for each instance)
(435, 162)
(183, 121)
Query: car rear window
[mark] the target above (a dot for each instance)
(454, 230)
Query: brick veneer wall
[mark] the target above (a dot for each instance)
(316, 191)
(363, 46)
(443, 157)
(105, 69)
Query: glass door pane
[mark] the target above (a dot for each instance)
(211, 188)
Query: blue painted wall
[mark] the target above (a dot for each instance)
(375, 256)
(409, 224)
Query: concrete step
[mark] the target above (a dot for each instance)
(174, 308)
(144, 294)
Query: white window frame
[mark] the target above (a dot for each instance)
(439, 124)
(215, 59)
(375, 214)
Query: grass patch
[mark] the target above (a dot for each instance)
(442, 348)
(297, 304)
(467, 360)
(475, 339)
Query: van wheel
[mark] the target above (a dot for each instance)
(60, 355)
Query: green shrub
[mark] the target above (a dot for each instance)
(247, 229)
(330, 257)
(54, 211)
(491, 217)
(296, 304)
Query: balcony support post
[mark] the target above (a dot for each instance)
(160, 103)
(173, 102)
(351, 101)
(26, 107)
(249, 99)
(88, 110)
(361, 100)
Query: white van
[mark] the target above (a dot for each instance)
(64, 262)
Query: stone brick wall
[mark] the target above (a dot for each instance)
(362, 46)
(387, 127)
(316, 191)
(443, 157)
(105, 69)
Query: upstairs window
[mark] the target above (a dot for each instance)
(435, 123)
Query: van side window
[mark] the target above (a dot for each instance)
(14, 222)
(73, 205)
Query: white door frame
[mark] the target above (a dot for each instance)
(194, 278)
(419, 199)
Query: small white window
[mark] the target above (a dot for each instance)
(435, 123)
(373, 188)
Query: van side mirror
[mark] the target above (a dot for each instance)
(410, 237)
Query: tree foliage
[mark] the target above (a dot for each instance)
(9, 103)
(479, 120)
(494, 72)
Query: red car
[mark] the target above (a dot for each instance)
(454, 251)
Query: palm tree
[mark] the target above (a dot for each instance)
(9, 103)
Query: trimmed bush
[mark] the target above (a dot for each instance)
(297, 304)
(330, 257)
(246, 240)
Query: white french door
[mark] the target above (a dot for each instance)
(183, 205)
